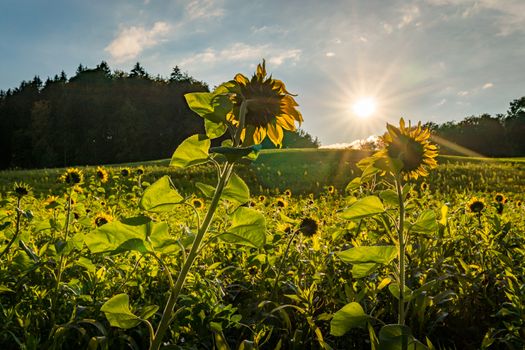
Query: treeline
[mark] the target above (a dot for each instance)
(100, 116)
(502, 135)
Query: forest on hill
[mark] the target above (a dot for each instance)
(502, 135)
(101, 116)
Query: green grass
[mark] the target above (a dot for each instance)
(302, 170)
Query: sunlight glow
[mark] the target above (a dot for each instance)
(364, 107)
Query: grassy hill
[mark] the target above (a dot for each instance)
(302, 170)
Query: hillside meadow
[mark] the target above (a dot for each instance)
(290, 286)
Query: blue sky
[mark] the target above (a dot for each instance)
(428, 60)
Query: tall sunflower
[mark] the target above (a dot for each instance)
(270, 108)
(409, 149)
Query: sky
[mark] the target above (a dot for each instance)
(426, 60)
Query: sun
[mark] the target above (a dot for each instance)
(364, 107)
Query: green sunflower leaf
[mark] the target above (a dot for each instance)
(374, 254)
(350, 316)
(160, 196)
(132, 234)
(248, 228)
(210, 106)
(192, 151)
(425, 223)
(214, 130)
(367, 206)
(118, 312)
(236, 190)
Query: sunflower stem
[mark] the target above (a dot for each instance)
(401, 258)
(192, 255)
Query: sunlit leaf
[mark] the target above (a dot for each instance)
(160, 196)
(374, 254)
(248, 228)
(236, 190)
(138, 234)
(192, 151)
(425, 223)
(367, 206)
(350, 316)
(209, 105)
(394, 290)
(214, 130)
(118, 313)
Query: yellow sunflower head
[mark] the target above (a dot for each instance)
(281, 203)
(140, 170)
(72, 176)
(102, 219)
(476, 205)
(262, 198)
(102, 175)
(197, 203)
(288, 193)
(125, 172)
(270, 108)
(409, 149)
(500, 198)
(331, 189)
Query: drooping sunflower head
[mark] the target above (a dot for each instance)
(500, 198)
(21, 189)
(72, 176)
(270, 108)
(102, 219)
(410, 148)
(308, 227)
(476, 205)
(102, 175)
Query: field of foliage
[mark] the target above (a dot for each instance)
(465, 271)
(229, 247)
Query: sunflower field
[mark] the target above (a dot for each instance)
(228, 247)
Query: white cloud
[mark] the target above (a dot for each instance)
(487, 86)
(388, 28)
(240, 52)
(131, 41)
(409, 15)
(357, 144)
(463, 93)
(330, 54)
(197, 9)
(441, 103)
(289, 55)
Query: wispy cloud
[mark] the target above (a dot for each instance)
(197, 9)
(240, 52)
(131, 41)
(487, 86)
(510, 13)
